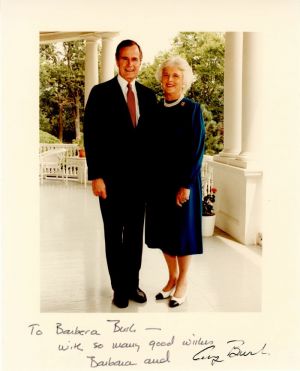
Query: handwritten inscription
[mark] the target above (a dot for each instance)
(76, 331)
(206, 354)
(34, 329)
(193, 340)
(151, 360)
(237, 349)
(135, 346)
(110, 362)
(157, 348)
(117, 327)
(70, 346)
(153, 344)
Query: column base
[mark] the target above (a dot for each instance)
(245, 164)
(240, 161)
(228, 153)
(225, 158)
(238, 201)
(246, 160)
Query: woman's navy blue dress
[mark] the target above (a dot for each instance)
(177, 147)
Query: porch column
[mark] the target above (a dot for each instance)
(91, 66)
(251, 101)
(107, 58)
(232, 94)
(239, 178)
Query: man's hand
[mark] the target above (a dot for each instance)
(182, 196)
(99, 188)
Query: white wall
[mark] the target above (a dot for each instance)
(238, 202)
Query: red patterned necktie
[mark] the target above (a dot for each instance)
(131, 104)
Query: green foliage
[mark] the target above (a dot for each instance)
(62, 84)
(205, 54)
(44, 122)
(213, 133)
(48, 138)
(62, 88)
(147, 74)
(79, 141)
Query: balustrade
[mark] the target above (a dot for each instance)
(207, 176)
(72, 167)
(72, 150)
(75, 168)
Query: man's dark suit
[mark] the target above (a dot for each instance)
(115, 151)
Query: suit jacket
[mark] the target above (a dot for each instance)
(115, 150)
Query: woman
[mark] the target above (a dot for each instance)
(173, 218)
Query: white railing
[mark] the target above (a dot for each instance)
(74, 167)
(207, 176)
(70, 167)
(72, 150)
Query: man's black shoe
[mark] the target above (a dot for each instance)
(120, 301)
(138, 296)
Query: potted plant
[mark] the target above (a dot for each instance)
(80, 142)
(208, 213)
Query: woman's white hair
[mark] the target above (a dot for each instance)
(182, 65)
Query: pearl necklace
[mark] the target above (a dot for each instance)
(173, 103)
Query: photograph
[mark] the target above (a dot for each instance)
(149, 185)
(183, 149)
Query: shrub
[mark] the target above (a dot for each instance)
(48, 138)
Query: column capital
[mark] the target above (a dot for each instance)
(95, 36)
(109, 35)
(92, 39)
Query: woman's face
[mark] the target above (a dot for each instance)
(172, 82)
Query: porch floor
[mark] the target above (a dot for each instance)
(74, 276)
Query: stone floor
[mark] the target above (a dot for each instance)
(74, 276)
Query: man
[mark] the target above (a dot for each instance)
(115, 123)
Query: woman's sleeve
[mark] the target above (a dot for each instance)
(195, 155)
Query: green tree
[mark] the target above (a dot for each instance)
(147, 74)
(205, 53)
(62, 83)
(62, 89)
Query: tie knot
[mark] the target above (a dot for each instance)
(129, 86)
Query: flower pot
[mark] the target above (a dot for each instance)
(81, 153)
(208, 225)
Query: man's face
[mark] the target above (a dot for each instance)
(129, 62)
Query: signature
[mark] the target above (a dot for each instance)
(237, 349)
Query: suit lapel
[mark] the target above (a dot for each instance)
(141, 99)
(118, 93)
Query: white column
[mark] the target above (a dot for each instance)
(91, 66)
(107, 59)
(252, 99)
(233, 94)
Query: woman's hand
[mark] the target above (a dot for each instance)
(99, 188)
(183, 195)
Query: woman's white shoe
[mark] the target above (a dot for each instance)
(175, 302)
(165, 294)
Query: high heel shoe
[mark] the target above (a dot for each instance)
(175, 302)
(164, 294)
